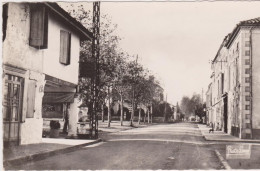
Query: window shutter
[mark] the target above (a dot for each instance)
(65, 39)
(5, 16)
(31, 99)
(39, 27)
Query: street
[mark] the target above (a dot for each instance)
(163, 146)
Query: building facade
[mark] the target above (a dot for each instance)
(41, 44)
(235, 82)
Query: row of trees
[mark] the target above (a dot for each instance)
(192, 106)
(121, 75)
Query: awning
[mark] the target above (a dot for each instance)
(58, 97)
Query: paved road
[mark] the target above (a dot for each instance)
(166, 146)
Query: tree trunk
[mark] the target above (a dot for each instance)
(132, 114)
(145, 116)
(122, 110)
(103, 113)
(109, 112)
(139, 118)
(148, 116)
(164, 119)
(152, 113)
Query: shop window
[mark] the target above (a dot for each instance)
(65, 46)
(38, 27)
(52, 110)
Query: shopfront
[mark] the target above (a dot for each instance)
(57, 99)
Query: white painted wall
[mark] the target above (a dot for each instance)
(256, 77)
(51, 64)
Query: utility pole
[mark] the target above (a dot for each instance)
(95, 80)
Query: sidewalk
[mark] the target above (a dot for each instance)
(115, 126)
(52, 146)
(220, 149)
(48, 147)
(221, 136)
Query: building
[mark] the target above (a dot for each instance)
(235, 82)
(209, 117)
(41, 44)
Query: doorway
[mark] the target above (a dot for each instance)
(225, 114)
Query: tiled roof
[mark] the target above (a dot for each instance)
(251, 22)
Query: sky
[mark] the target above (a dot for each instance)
(177, 40)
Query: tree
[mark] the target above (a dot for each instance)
(192, 106)
(108, 55)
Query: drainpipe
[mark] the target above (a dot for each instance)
(251, 80)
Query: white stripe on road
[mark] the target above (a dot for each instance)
(94, 145)
(222, 160)
(164, 140)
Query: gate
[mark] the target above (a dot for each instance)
(12, 106)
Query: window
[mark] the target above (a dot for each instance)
(247, 43)
(247, 107)
(247, 71)
(247, 62)
(247, 98)
(247, 79)
(247, 89)
(12, 98)
(247, 52)
(65, 43)
(38, 27)
(248, 116)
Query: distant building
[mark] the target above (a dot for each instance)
(209, 117)
(41, 44)
(235, 86)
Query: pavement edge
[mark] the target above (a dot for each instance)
(222, 160)
(39, 156)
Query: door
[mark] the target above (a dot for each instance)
(225, 114)
(12, 100)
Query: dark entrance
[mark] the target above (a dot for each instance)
(12, 105)
(225, 114)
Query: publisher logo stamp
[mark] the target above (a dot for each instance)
(238, 151)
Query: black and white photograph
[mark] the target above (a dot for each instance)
(130, 85)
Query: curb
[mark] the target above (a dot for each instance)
(222, 160)
(39, 156)
(240, 141)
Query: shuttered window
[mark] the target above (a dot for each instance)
(31, 99)
(65, 39)
(38, 27)
(5, 16)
